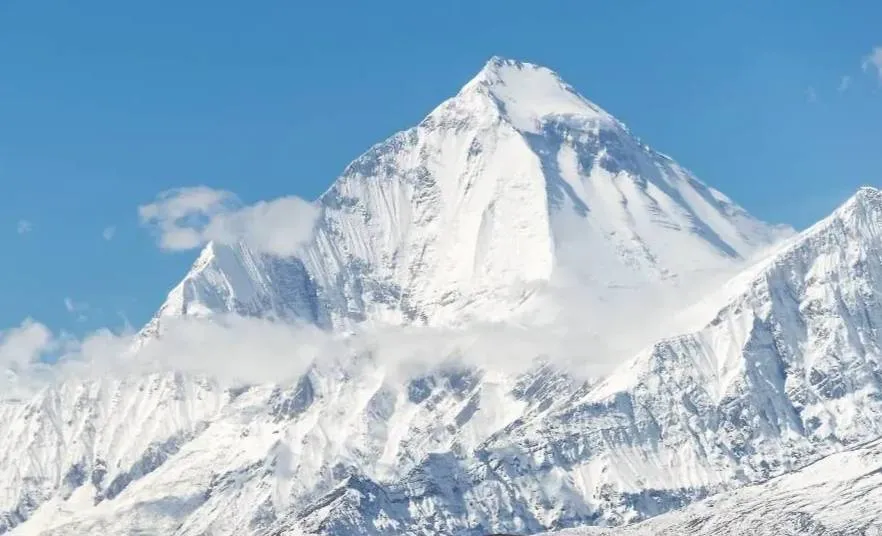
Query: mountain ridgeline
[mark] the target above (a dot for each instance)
(514, 191)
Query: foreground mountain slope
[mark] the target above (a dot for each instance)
(270, 449)
(836, 496)
(786, 371)
(782, 370)
(514, 181)
(103, 434)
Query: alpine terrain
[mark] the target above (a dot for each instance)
(741, 390)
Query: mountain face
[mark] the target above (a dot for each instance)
(836, 496)
(511, 183)
(101, 436)
(513, 186)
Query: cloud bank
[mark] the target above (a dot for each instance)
(583, 335)
(236, 350)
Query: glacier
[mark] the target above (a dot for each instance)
(515, 201)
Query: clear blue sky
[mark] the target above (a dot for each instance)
(105, 103)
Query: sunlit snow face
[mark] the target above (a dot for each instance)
(468, 277)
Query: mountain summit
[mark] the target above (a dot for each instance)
(529, 94)
(515, 180)
(514, 189)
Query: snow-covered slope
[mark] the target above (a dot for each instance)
(782, 371)
(266, 452)
(836, 496)
(236, 280)
(787, 370)
(103, 435)
(515, 179)
(470, 216)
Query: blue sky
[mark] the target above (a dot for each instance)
(103, 104)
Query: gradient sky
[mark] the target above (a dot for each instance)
(103, 104)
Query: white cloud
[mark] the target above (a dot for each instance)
(24, 227)
(238, 349)
(22, 345)
(179, 215)
(582, 332)
(232, 349)
(187, 218)
(99, 354)
(873, 61)
(108, 232)
(844, 84)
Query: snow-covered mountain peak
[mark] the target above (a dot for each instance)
(867, 191)
(527, 94)
(234, 278)
(860, 216)
(470, 214)
(223, 266)
(866, 200)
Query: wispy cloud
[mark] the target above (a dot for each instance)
(187, 218)
(811, 95)
(75, 308)
(873, 62)
(24, 227)
(109, 232)
(844, 84)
